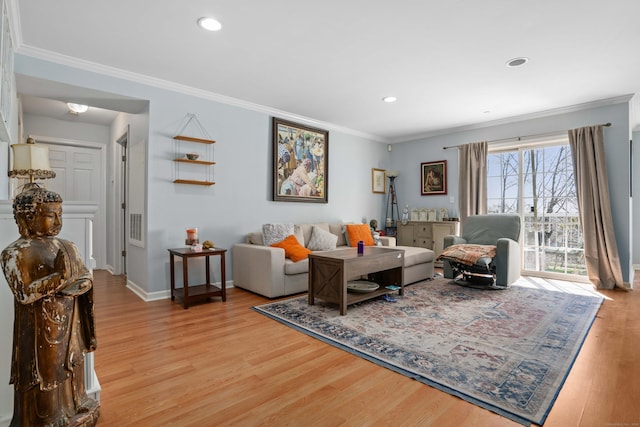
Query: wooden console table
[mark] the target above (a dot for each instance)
(204, 291)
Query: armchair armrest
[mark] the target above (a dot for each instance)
(507, 261)
(450, 240)
(388, 240)
(258, 268)
(453, 240)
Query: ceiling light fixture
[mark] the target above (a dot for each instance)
(77, 108)
(209, 24)
(517, 62)
(389, 99)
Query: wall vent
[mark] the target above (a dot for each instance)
(135, 227)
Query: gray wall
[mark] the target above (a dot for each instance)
(408, 156)
(635, 232)
(240, 200)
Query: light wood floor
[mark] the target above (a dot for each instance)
(224, 364)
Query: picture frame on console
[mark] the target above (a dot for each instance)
(433, 178)
(300, 162)
(378, 180)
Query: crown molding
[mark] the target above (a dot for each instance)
(523, 117)
(94, 67)
(30, 51)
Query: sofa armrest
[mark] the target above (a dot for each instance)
(387, 240)
(258, 268)
(507, 261)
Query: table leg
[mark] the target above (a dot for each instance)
(311, 281)
(342, 288)
(223, 277)
(185, 282)
(173, 278)
(207, 271)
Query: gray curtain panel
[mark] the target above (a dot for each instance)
(472, 190)
(592, 187)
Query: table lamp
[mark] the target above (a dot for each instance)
(31, 160)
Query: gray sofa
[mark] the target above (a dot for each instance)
(265, 270)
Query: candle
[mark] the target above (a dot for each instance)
(192, 236)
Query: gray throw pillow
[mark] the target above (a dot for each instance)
(274, 233)
(322, 240)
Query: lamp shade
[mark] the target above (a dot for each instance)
(31, 160)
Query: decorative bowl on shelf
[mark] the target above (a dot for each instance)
(192, 156)
(361, 286)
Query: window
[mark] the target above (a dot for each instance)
(536, 180)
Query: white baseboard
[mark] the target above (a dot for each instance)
(159, 295)
(147, 296)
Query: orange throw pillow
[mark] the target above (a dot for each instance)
(293, 249)
(357, 232)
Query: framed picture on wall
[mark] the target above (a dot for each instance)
(300, 163)
(378, 177)
(433, 178)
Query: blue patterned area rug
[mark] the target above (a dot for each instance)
(507, 351)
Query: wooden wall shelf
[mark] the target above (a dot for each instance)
(192, 139)
(198, 162)
(192, 182)
(184, 176)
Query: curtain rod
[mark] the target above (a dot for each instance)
(519, 138)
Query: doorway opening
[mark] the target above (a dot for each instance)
(121, 252)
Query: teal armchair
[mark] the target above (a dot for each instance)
(500, 231)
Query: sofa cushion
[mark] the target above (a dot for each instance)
(307, 231)
(273, 233)
(300, 267)
(292, 249)
(255, 238)
(414, 255)
(338, 230)
(299, 233)
(356, 232)
(322, 240)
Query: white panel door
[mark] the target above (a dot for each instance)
(78, 173)
(78, 179)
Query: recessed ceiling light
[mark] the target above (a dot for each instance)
(77, 108)
(209, 24)
(517, 62)
(389, 99)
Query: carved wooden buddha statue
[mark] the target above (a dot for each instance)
(54, 322)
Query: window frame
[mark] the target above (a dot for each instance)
(520, 145)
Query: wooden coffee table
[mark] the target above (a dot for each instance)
(329, 272)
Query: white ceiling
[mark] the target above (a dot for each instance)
(333, 60)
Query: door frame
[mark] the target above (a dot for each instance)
(99, 230)
(121, 196)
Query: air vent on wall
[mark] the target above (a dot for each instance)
(135, 227)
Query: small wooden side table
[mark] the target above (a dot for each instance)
(196, 292)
